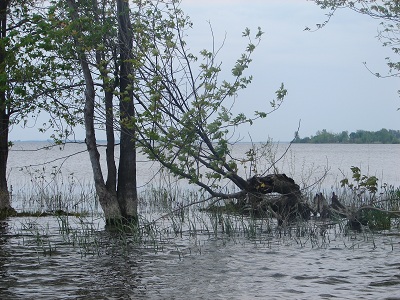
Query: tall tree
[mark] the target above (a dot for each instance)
(102, 52)
(127, 190)
(28, 77)
(4, 113)
(187, 121)
(104, 49)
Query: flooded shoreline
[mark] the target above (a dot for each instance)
(192, 256)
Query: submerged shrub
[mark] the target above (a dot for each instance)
(376, 220)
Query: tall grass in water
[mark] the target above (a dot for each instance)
(53, 191)
(170, 216)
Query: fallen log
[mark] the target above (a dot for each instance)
(276, 194)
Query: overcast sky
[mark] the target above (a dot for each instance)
(328, 85)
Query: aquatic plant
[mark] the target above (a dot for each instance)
(368, 205)
(363, 187)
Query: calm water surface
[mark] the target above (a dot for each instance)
(38, 262)
(306, 163)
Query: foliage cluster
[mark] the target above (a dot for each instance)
(33, 76)
(361, 183)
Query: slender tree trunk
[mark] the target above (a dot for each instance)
(4, 115)
(107, 200)
(4, 194)
(109, 89)
(117, 197)
(110, 150)
(127, 190)
(107, 197)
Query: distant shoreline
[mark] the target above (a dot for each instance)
(383, 136)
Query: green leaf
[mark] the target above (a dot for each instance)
(246, 32)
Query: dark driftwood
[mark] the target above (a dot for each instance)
(276, 194)
(320, 206)
(274, 183)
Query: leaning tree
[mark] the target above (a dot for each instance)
(184, 113)
(143, 84)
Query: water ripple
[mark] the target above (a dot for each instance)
(212, 269)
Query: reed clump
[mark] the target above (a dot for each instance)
(53, 192)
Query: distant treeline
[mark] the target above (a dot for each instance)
(383, 136)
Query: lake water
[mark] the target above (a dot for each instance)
(58, 258)
(305, 163)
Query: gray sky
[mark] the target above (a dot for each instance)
(328, 84)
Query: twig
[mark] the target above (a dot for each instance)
(178, 209)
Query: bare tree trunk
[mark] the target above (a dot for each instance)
(111, 183)
(127, 192)
(109, 89)
(5, 203)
